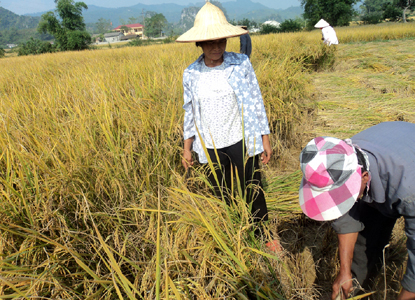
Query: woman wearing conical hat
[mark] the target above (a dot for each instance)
(329, 35)
(224, 112)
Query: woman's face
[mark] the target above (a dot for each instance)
(214, 50)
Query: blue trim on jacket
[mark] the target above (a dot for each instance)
(241, 77)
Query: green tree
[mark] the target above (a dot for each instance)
(372, 6)
(155, 25)
(268, 28)
(373, 11)
(335, 12)
(102, 26)
(19, 36)
(35, 46)
(2, 52)
(150, 14)
(291, 25)
(125, 29)
(392, 11)
(12, 35)
(374, 17)
(132, 20)
(248, 23)
(405, 5)
(67, 25)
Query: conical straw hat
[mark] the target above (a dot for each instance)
(321, 24)
(210, 24)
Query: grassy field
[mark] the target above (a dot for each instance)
(95, 203)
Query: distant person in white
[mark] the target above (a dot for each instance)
(329, 35)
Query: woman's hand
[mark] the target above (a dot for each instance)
(187, 159)
(266, 155)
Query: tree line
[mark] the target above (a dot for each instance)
(377, 10)
(66, 24)
(70, 33)
(342, 12)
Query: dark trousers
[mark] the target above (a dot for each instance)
(368, 251)
(230, 161)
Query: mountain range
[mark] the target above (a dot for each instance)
(9, 20)
(236, 10)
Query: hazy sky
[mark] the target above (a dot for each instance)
(21, 7)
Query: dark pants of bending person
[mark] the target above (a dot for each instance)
(231, 159)
(368, 251)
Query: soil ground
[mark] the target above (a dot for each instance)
(369, 83)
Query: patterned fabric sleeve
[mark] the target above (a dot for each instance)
(257, 99)
(189, 129)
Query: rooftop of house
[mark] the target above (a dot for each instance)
(128, 37)
(136, 25)
(112, 34)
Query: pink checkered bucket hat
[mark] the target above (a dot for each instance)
(331, 178)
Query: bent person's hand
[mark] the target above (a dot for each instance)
(343, 281)
(187, 159)
(406, 295)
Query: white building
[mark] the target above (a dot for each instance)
(113, 37)
(272, 23)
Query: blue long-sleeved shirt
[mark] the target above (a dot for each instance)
(390, 147)
(242, 79)
(245, 46)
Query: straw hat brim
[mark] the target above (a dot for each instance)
(210, 24)
(321, 24)
(213, 32)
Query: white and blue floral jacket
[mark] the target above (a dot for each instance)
(242, 79)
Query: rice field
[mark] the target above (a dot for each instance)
(95, 202)
(370, 82)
